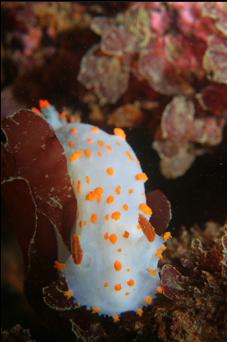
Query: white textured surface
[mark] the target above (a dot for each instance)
(138, 254)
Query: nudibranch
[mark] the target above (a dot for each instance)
(115, 251)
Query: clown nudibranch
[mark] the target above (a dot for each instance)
(115, 251)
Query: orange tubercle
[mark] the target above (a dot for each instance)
(68, 294)
(75, 156)
(126, 234)
(117, 265)
(110, 171)
(148, 300)
(43, 104)
(145, 209)
(96, 309)
(142, 176)
(105, 284)
(101, 143)
(167, 236)
(116, 318)
(36, 110)
(118, 287)
(139, 312)
(118, 190)
(116, 215)
(160, 289)
(119, 132)
(95, 129)
(71, 144)
(87, 152)
(131, 282)
(110, 199)
(94, 218)
(73, 130)
(113, 238)
(152, 272)
(159, 254)
(125, 207)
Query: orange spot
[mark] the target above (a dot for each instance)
(120, 133)
(105, 284)
(129, 155)
(90, 140)
(96, 309)
(75, 155)
(164, 248)
(125, 207)
(77, 250)
(71, 144)
(167, 236)
(130, 191)
(110, 171)
(116, 215)
(126, 293)
(60, 266)
(116, 318)
(145, 209)
(88, 179)
(109, 148)
(131, 282)
(106, 236)
(139, 312)
(78, 186)
(117, 265)
(95, 195)
(100, 153)
(110, 199)
(107, 217)
(94, 218)
(87, 152)
(113, 238)
(152, 272)
(95, 129)
(142, 176)
(148, 300)
(147, 228)
(160, 289)
(36, 110)
(43, 104)
(126, 234)
(68, 294)
(118, 190)
(159, 253)
(118, 287)
(101, 143)
(73, 130)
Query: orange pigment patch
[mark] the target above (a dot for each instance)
(78, 187)
(77, 250)
(139, 312)
(126, 293)
(110, 199)
(44, 104)
(120, 133)
(68, 294)
(159, 253)
(116, 318)
(160, 289)
(145, 208)
(106, 236)
(113, 238)
(126, 234)
(125, 207)
(36, 110)
(116, 215)
(95, 195)
(105, 284)
(147, 228)
(87, 152)
(129, 155)
(95, 129)
(118, 190)
(117, 265)
(101, 143)
(152, 272)
(131, 282)
(73, 130)
(119, 250)
(60, 266)
(107, 217)
(94, 218)
(109, 148)
(141, 177)
(148, 300)
(100, 153)
(76, 155)
(90, 140)
(167, 236)
(71, 144)
(130, 191)
(95, 309)
(118, 287)
(88, 179)
(110, 171)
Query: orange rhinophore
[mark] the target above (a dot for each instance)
(147, 228)
(44, 104)
(60, 266)
(119, 132)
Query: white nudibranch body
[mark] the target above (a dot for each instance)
(113, 265)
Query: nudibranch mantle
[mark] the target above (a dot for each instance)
(113, 265)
